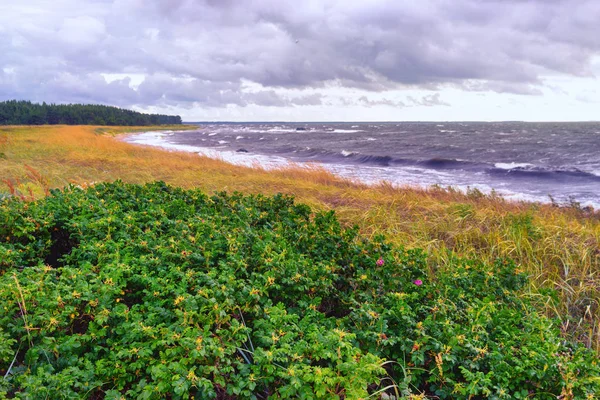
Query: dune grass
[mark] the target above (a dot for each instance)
(559, 247)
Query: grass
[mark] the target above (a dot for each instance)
(559, 247)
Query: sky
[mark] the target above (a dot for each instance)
(292, 60)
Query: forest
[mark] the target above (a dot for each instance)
(15, 112)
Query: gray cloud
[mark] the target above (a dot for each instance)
(431, 100)
(522, 88)
(365, 101)
(198, 53)
(588, 96)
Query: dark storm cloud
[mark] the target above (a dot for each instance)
(196, 52)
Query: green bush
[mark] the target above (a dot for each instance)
(153, 291)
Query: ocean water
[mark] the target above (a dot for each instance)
(521, 161)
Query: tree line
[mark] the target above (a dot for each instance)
(15, 112)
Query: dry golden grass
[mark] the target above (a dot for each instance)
(558, 247)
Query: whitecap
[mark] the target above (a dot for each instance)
(280, 130)
(512, 165)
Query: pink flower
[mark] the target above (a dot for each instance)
(380, 262)
(418, 282)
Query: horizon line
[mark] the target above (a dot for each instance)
(386, 121)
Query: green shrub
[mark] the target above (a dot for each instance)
(152, 291)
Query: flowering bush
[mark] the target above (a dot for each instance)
(153, 292)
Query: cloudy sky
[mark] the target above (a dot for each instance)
(322, 60)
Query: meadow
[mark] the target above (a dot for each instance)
(532, 267)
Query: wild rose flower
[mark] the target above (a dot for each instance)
(380, 262)
(418, 282)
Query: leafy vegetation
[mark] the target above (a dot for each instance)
(154, 291)
(15, 112)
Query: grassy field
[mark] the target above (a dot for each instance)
(558, 247)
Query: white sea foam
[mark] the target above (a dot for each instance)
(212, 134)
(512, 165)
(157, 139)
(244, 159)
(280, 130)
(247, 130)
(346, 130)
(223, 142)
(239, 137)
(347, 153)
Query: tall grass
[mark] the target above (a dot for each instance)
(558, 246)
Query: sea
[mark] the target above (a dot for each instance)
(522, 161)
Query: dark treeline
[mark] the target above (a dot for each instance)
(15, 112)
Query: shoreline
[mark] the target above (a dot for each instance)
(369, 175)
